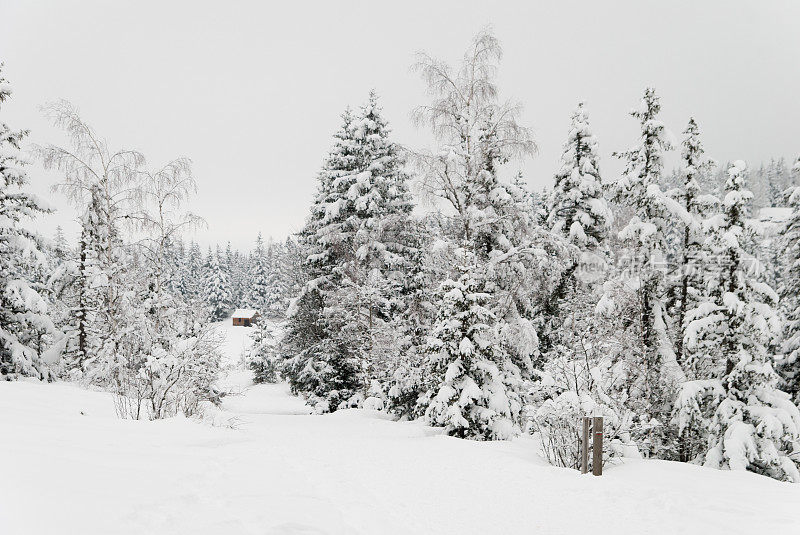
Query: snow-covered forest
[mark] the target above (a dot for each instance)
(430, 287)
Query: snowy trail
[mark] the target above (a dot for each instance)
(284, 471)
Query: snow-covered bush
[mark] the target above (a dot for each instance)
(170, 380)
(558, 424)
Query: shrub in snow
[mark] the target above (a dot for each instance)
(558, 424)
(168, 379)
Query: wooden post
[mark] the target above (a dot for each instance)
(597, 446)
(585, 445)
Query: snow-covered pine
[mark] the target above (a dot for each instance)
(259, 288)
(291, 272)
(237, 269)
(686, 280)
(494, 221)
(382, 199)
(755, 426)
(263, 358)
(577, 208)
(193, 273)
(24, 320)
(60, 247)
(317, 362)
(217, 294)
(387, 243)
(87, 310)
(360, 246)
(578, 212)
(472, 382)
(656, 372)
(273, 302)
(790, 291)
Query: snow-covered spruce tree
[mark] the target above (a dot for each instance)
(471, 393)
(273, 299)
(686, 282)
(387, 257)
(318, 363)
(755, 426)
(577, 207)
(292, 274)
(358, 255)
(263, 357)
(654, 372)
(23, 311)
(477, 134)
(235, 267)
(777, 179)
(578, 211)
(790, 292)
(259, 288)
(217, 295)
(194, 273)
(266, 287)
(60, 248)
(87, 310)
(577, 372)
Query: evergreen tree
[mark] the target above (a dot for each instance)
(259, 289)
(359, 251)
(774, 188)
(61, 249)
(687, 282)
(23, 311)
(262, 357)
(577, 207)
(646, 233)
(317, 362)
(194, 272)
(273, 298)
(217, 294)
(790, 292)
(755, 426)
(88, 308)
(472, 392)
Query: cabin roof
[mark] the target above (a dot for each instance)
(244, 313)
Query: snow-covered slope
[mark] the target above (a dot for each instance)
(71, 467)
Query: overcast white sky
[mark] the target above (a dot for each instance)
(252, 91)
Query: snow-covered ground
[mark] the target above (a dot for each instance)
(70, 466)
